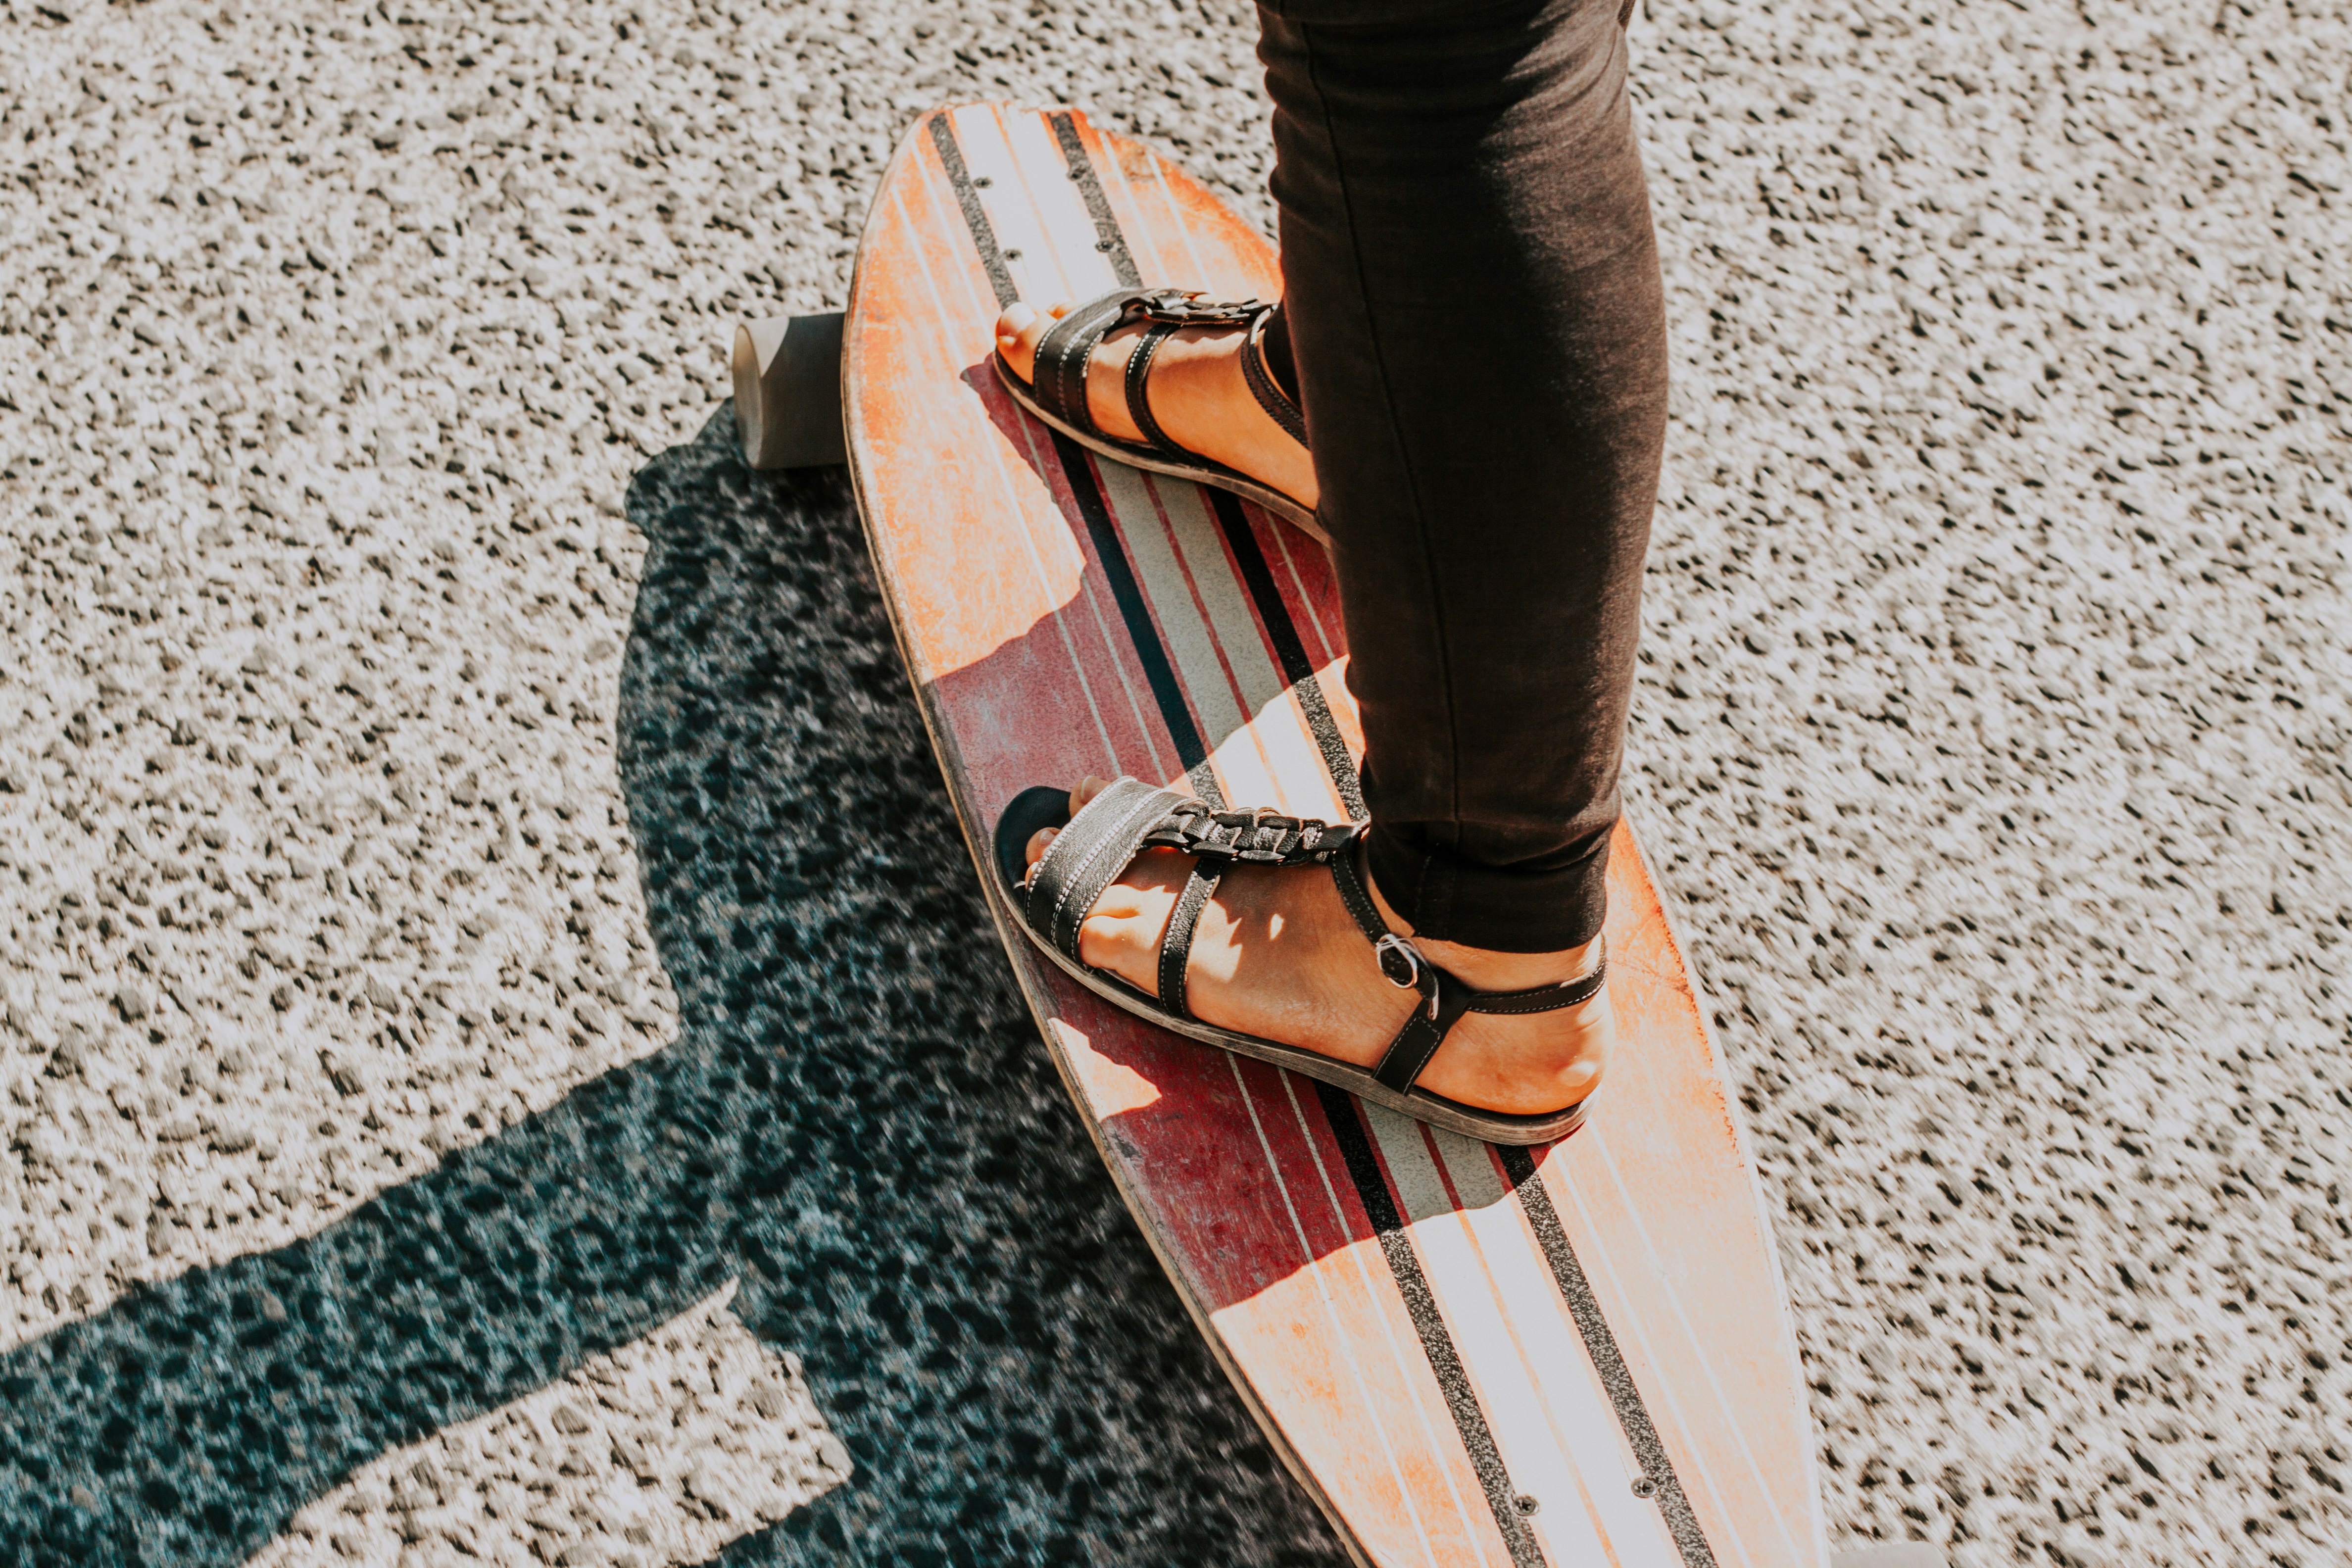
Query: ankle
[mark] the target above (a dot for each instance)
(1488, 969)
(1491, 971)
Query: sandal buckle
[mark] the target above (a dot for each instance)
(1403, 966)
(1400, 962)
(1190, 307)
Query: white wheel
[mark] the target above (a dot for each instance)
(788, 391)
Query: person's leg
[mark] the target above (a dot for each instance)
(1472, 304)
(1473, 300)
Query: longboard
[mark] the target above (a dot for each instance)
(1578, 1353)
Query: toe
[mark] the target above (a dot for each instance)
(1088, 787)
(1016, 337)
(1020, 329)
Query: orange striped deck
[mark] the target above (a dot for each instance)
(1573, 1354)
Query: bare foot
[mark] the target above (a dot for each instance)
(1196, 389)
(1277, 955)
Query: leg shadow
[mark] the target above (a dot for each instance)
(857, 1119)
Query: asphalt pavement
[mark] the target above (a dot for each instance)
(505, 1059)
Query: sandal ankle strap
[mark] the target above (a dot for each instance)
(1444, 997)
(1263, 386)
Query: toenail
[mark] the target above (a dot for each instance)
(1018, 316)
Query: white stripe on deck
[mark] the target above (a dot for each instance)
(1294, 778)
(721, 1441)
(1263, 753)
(1075, 561)
(1033, 204)
(1726, 1415)
(1439, 1438)
(1551, 1418)
(1637, 1342)
(1184, 627)
(1350, 1352)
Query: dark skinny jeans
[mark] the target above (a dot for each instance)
(1472, 307)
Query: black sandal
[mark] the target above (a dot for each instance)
(1058, 396)
(1051, 900)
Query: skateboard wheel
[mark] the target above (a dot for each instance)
(787, 371)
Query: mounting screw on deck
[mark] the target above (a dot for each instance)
(1644, 1487)
(787, 372)
(1526, 1505)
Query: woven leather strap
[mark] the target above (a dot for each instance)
(1259, 837)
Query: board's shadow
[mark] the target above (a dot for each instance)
(978, 1314)
(856, 1119)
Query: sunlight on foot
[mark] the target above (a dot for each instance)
(1277, 955)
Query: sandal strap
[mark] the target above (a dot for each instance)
(1176, 945)
(1265, 388)
(1194, 308)
(1221, 836)
(1348, 870)
(1129, 817)
(1060, 376)
(1086, 855)
(1444, 998)
(1139, 403)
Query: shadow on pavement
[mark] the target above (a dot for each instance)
(857, 1119)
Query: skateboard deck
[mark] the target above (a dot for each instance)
(1577, 1354)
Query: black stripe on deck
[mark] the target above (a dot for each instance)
(1601, 1344)
(1128, 593)
(983, 233)
(1469, 1420)
(1111, 241)
(1287, 648)
(1108, 239)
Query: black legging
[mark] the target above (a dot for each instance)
(1472, 305)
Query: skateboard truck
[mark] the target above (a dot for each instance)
(787, 372)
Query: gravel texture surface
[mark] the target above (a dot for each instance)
(475, 883)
